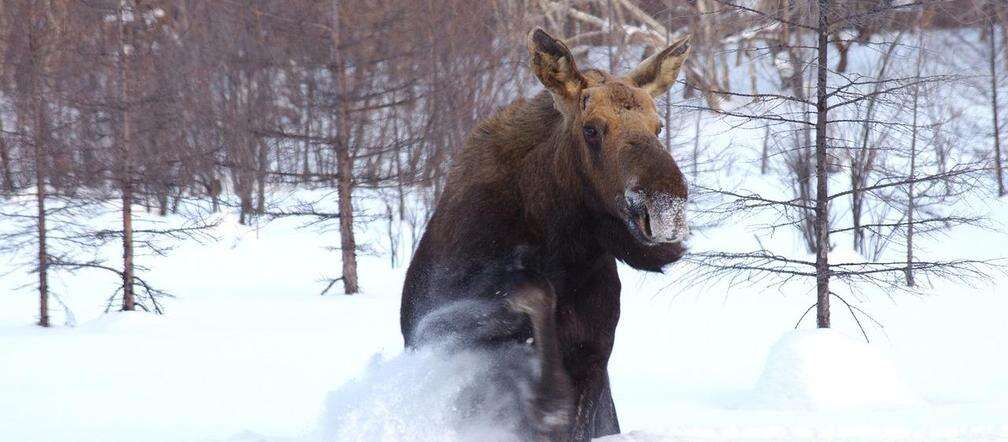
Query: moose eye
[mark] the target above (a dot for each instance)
(590, 133)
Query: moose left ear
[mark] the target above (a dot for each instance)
(554, 65)
(657, 73)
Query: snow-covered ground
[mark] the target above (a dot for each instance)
(249, 351)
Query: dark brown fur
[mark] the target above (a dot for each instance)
(534, 210)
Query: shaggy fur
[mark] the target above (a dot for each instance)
(529, 228)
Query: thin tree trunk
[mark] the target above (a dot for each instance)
(765, 153)
(911, 203)
(696, 146)
(309, 117)
(40, 197)
(994, 108)
(857, 197)
(843, 49)
(263, 161)
(36, 95)
(344, 166)
(911, 200)
(822, 195)
(344, 191)
(214, 189)
(162, 197)
(801, 163)
(5, 163)
(668, 93)
(129, 301)
(610, 15)
(863, 158)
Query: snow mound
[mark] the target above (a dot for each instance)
(825, 369)
(433, 395)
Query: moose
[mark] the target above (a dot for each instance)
(540, 203)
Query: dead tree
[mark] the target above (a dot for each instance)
(126, 150)
(911, 200)
(995, 106)
(34, 41)
(344, 160)
(822, 178)
(885, 196)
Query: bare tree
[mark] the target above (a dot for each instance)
(992, 62)
(822, 179)
(863, 115)
(356, 109)
(32, 42)
(344, 164)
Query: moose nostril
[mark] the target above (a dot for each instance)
(634, 197)
(645, 221)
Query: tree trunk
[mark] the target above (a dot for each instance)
(857, 197)
(668, 93)
(765, 153)
(348, 244)
(5, 163)
(309, 117)
(842, 50)
(40, 197)
(129, 301)
(126, 180)
(994, 108)
(696, 146)
(863, 158)
(610, 15)
(911, 201)
(344, 166)
(36, 98)
(263, 161)
(214, 189)
(822, 195)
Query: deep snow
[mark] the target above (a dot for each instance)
(822, 368)
(249, 351)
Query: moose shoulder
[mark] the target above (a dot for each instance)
(542, 200)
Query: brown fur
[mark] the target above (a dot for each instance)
(537, 209)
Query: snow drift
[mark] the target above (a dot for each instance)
(823, 368)
(434, 394)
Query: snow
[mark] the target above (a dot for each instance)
(249, 352)
(822, 368)
(425, 395)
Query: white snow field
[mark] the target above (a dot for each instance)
(248, 351)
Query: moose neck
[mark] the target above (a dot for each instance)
(555, 192)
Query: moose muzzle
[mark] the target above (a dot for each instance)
(658, 219)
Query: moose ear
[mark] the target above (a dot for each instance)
(657, 73)
(554, 65)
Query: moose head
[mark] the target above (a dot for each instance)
(614, 130)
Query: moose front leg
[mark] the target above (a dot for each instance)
(524, 306)
(588, 321)
(595, 413)
(550, 412)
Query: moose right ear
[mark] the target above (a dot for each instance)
(554, 65)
